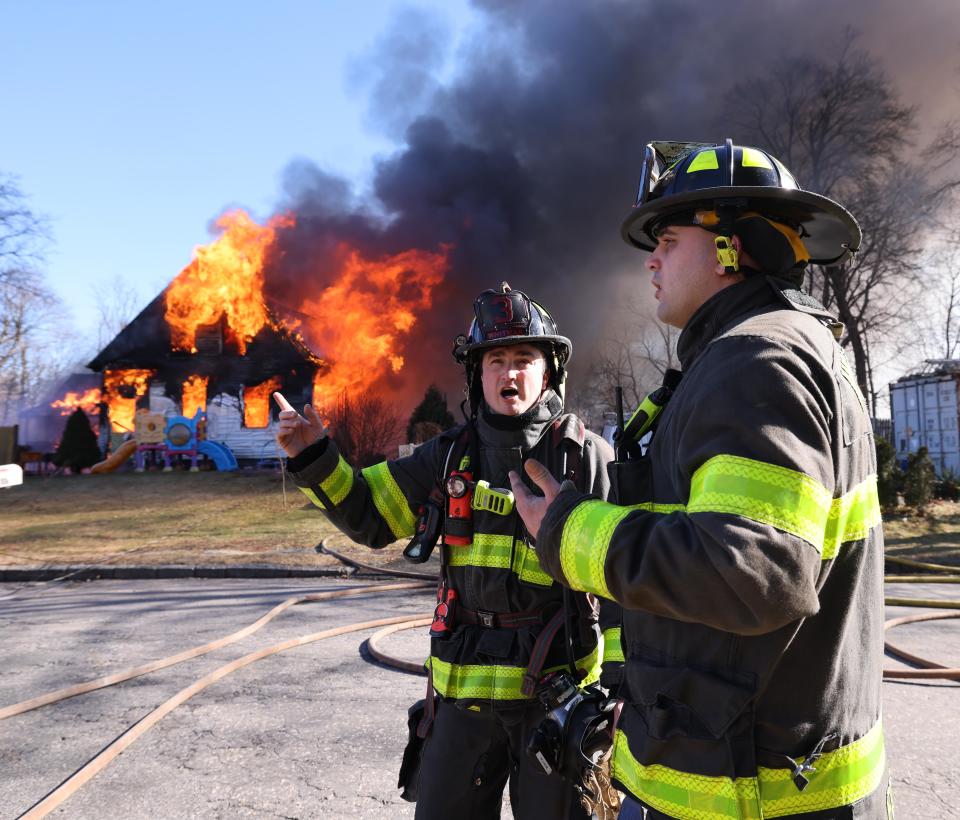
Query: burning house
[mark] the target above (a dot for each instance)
(213, 340)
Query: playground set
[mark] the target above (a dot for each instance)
(168, 437)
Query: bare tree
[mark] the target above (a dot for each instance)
(30, 315)
(942, 309)
(31, 350)
(365, 428)
(23, 233)
(634, 356)
(841, 128)
(117, 304)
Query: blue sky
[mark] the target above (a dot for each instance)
(132, 125)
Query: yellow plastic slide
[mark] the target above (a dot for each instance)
(116, 458)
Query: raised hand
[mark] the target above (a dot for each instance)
(296, 432)
(533, 508)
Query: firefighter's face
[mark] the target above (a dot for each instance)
(686, 272)
(513, 378)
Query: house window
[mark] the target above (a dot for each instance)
(256, 402)
(209, 340)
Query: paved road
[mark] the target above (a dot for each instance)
(290, 735)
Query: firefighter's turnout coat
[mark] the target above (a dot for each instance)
(746, 550)
(498, 571)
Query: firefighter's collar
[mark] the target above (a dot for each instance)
(718, 311)
(524, 430)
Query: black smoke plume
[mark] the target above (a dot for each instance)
(526, 161)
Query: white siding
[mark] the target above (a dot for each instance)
(225, 425)
(159, 403)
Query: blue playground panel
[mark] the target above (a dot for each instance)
(221, 455)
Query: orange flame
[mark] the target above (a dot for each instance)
(256, 402)
(123, 408)
(361, 323)
(86, 401)
(225, 279)
(194, 395)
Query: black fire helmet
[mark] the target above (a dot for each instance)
(713, 186)
(509, 317)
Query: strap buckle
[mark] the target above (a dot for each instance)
(486, 618)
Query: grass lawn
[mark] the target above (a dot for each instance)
(217, 518)
(933, 538)
(152, 518)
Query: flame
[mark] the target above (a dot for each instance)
(86, 401)
(225, 279)
(194, 395)
(362, 322)
(123, 409)
(256, 402)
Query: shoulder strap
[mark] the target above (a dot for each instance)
(572, 447)
(458, 449)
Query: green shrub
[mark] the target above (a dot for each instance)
(78, 447)
(948, 487)
(889, 475)
(919, 479)
(432, 409)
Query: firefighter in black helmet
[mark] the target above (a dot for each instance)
(745, 543)
(501, 624)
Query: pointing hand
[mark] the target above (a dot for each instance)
(295, 432)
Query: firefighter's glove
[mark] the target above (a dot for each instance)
(533, 508)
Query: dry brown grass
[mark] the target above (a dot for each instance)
(154, 518)
(933, 537)
(216, 518)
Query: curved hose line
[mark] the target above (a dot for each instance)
(323, 549)
(930, 668)
(96, 765)
(909, 562)
(374, 646)
(127, 674)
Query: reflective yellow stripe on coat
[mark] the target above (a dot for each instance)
(389, 500)
(612, 648)
(335, 486)
(496, 682)
(841, 777)
(500, 552)
(783, 498)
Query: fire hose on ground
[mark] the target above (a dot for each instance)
(929, 669)
(98, 763)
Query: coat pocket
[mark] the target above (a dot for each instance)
(631, 482)
(409, 779)
(682, 701)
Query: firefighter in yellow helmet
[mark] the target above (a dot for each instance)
(505, 634)
(745, 543)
